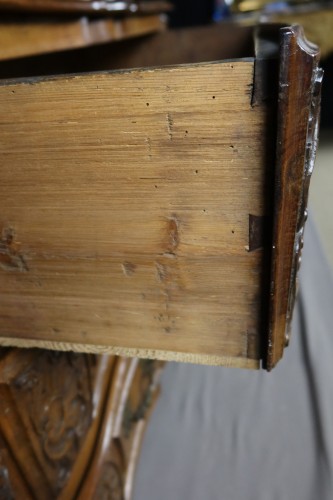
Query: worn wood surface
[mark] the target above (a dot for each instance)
(298, 110)
(32, 36)
(71, 424)
(125, 202)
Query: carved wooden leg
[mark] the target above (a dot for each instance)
(71, 424)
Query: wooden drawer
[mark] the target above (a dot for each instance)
(158, 212)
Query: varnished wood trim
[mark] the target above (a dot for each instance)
(299, 89)
(101, 389)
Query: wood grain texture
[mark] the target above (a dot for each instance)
(29, 37)
(125, 201)
(298, 115)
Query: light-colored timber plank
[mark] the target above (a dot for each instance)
(29, 38)
(124, 205)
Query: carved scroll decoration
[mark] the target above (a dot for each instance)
(55, 400)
